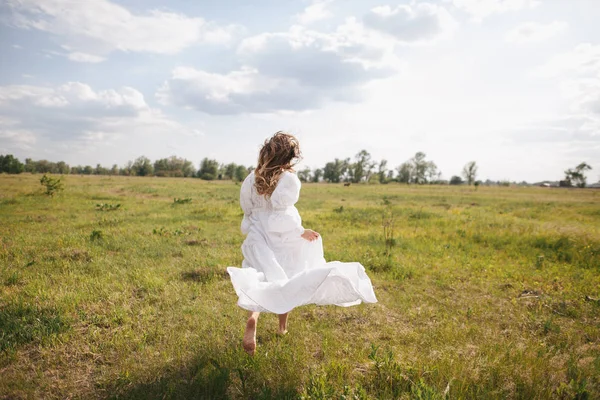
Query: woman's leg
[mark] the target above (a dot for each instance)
(283, 324)
(249, 341)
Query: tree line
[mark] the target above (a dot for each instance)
(362, 168)
(142, 166)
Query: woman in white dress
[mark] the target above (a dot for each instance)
(283, 265)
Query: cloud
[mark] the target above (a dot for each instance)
(584, 59)
(74, 113)
(481, 9)
(317, 11)
(531, 32)
(411, 23)
(579, 74)
(285, 71)
(575, 130)
(14, 137)
(83, 57)
(92, 29)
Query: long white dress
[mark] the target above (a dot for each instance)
(281, 270)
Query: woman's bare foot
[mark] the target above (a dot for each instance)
(282, 324)
(249, 341)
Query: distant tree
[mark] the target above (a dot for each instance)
(304, 175)
(241, 173)
(576, 176)
(127, 170)
(161, 167)
(11, 165)
(405, 172)
(363, 166)
(456, 180)
(469, 172)
(209, 169)
(30, 166)
(114, 170)
(88, 170)
(382, 171)
(334, 171)
(142, 166)
(173, 166)
(62, 168)
(390, 175)
(347, 169)
(432, 175)
(188, 168)
(421, 167)
(221, 171)
(229, 172)
(45, 167)
(100, 170)
(418, 170)
(316, 176)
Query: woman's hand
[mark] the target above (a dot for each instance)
(310, 235)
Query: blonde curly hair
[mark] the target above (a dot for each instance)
(279, 153)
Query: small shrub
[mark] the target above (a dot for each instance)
(96, 235)
(52, 185)
(164, 232)
(186, 200)
(204, 275)
(107, 207)
(387, 222)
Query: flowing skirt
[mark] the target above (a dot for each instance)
(279, 278)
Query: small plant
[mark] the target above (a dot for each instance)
(164, 232)
(52, 185)
(96, 235)
(387, 222)
(13, 279)
(186, 200)
(339, 209)
(107, 207)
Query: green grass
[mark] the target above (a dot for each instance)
(487, 293)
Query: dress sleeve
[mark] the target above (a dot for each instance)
(246, 202)
(285, 217)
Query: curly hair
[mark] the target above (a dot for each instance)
(279, 153)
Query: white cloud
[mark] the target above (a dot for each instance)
(411, 23)
(480, 9)
(286, 71)
(578, 74)
(583, 59)
(76, 115)
(87, 58)
(73, 95)
(13, 136)
(531, 32)
(315, 12)
(92, 29)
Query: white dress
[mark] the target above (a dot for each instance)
(281, 270)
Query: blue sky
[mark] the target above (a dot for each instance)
(511, 84)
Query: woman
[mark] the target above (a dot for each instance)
(283, 265)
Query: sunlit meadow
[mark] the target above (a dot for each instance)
(115, 287)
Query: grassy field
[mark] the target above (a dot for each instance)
(488, 293)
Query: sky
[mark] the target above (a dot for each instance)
(511, 84)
